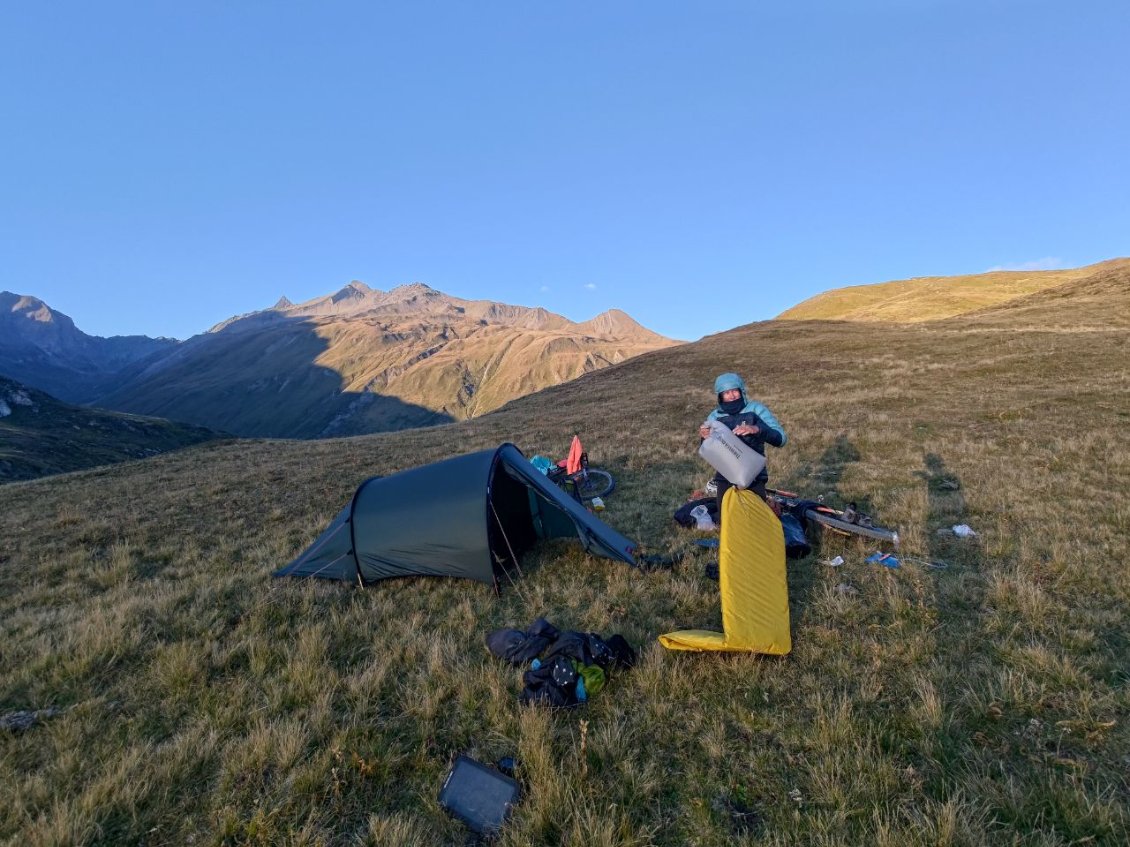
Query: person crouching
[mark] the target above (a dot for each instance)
(748, 419)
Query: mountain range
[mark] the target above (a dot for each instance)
(42, 347)
(362, 360)
(358, 360)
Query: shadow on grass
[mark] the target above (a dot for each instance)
(945, 508)
(822, 477)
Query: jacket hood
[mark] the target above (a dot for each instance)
(727, 381)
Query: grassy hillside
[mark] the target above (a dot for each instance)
(938, 297)
(981, 704)
(40, 435)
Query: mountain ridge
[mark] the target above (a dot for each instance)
(42, 347)
(41, 435)
(920, 299)
(355, 360)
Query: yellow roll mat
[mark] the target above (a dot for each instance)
(752, 580)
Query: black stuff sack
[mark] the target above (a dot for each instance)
(796, 543)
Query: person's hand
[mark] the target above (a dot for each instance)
(746, 429)
(704, 431)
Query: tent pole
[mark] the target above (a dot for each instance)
(507, 540)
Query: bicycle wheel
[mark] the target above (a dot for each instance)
(594, 483)
(876, 532)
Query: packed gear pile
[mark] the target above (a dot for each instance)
(565, 667)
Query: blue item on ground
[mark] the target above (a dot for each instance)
(885, 559)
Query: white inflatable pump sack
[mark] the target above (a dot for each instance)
(729, 456)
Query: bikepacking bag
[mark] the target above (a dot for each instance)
(796, 542)
(726, 453)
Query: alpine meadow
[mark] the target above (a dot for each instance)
(977, 695)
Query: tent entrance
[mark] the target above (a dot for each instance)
(510, 530)
(519, 517)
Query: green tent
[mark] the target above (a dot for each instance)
(470, 516)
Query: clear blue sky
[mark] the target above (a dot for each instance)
(700, 165)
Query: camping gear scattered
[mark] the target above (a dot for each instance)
(834, 563)
(573, 460)
(702, 514)
(849, 521)
(730, 456)
(597, 504)
(574, 475)
(542, 464)
(753, 585)
(479, 796)
(684, 517)
(565, 667)
(963, 530)
(884, 559)
(796, 542)
(520, 648)
(702, 519)
(470, 516)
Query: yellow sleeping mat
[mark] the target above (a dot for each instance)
(751, 576)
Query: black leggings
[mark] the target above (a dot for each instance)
(724, 485)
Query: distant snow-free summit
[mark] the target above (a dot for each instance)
(353, 361)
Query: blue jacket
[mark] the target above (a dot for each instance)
(770, 429)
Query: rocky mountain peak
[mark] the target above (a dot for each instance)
(31, 308)
(356, 290)
(414, 289)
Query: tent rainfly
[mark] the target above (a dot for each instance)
(468, 516)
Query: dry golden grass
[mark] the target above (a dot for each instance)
(983, 704)
(936, 297)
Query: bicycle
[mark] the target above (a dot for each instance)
(586, 483)
(846, 521)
